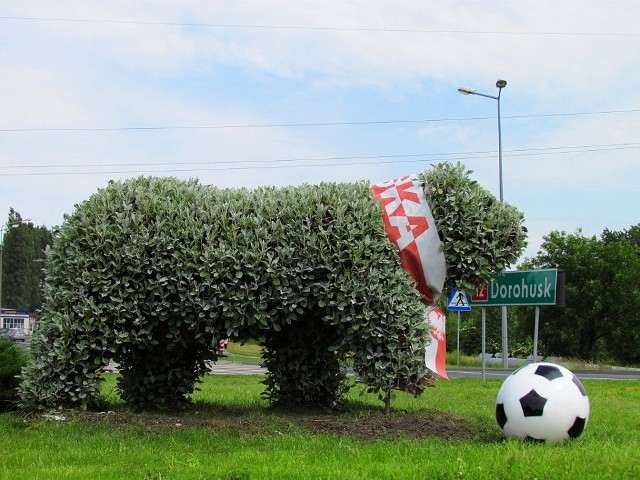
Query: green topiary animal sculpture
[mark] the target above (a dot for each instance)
(153, 272)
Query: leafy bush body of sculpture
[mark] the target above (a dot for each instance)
(152, 272)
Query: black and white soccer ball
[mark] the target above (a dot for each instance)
(542, 402)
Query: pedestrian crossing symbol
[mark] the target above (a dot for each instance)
(458, 301)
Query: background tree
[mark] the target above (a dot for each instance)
(23, 262)
(600, 320)
(624, 343)
(632, 235)
(471, 331)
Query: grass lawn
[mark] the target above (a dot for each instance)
(243, 353)
(231, 434)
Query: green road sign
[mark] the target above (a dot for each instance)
(522, 287)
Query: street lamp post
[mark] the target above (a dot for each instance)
(500, 84)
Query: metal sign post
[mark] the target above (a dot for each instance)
(458, 302)
(505, 338)
(536, 321)
(484, 345)
(458, 343)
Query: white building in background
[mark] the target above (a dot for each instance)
(20, 320)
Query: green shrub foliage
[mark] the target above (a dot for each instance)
(152, 272)
(480, 234)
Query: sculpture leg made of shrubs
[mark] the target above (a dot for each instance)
(161, 377)
(303, 367)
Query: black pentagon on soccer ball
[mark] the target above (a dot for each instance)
(501, 417)
(550, 372)
(532, 404)
(579, 385)
(578, 426)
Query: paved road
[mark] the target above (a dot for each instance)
(581, 374)
(235, 368)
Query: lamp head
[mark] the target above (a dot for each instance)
(18, 223)
(467, 90)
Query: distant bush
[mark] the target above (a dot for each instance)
(12, 359)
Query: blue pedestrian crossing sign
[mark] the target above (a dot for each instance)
(458, 302)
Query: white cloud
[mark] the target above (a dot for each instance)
(557, 65)
(605, 155)
(77, 74)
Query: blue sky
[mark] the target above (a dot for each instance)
(247, 93)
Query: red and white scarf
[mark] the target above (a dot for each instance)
(410, 226)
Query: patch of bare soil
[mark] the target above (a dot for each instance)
(363, 425)
(376, 426)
